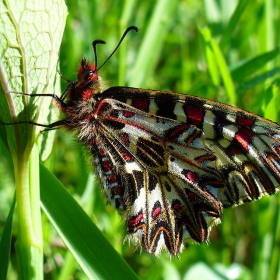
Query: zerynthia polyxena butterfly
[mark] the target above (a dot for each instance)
(170, 162)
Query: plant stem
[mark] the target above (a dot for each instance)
(29, 243)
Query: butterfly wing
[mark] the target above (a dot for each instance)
(171, 162)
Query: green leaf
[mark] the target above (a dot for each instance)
(30, 38)
(93, 252)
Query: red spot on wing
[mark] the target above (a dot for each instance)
(136, 220)
(107, 165)
(192, 195)
(194, 114)
(101, 152)
(141, 104)
(244, 138)
(112, 178)
(117, 190)
(191, 176)
(156, 211)
(128, 114)
(126, 156)
(245, 122)
(234, 151)
(176, 207)
(178, 130)
(125, 138)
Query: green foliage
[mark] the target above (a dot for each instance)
(219, 49)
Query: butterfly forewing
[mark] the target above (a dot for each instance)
(177, 160)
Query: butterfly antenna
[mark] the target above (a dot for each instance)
(94, 43)
(102, 42)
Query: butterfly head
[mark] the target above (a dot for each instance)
(87, 73)
(88, 83)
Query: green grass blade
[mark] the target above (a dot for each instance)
(92, 251)
(210, 57)
(272, 101)
(233, 22)
(150, 49)
(225, 74)
(251, 83)
(254, 64)
(212, 11)
(217, 58)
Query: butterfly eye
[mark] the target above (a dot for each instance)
(88, 74)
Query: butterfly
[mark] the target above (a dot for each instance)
(170, 162)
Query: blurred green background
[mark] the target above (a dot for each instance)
(170, 52)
